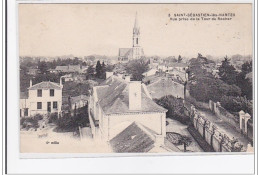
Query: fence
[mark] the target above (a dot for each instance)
(219, 141)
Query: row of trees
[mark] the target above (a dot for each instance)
(229, 75)
(232, 89)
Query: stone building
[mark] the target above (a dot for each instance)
(117, 103)
(43, 98)
(136, 52)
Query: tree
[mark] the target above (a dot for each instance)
(43, 67)
(179, 59)
(208, 88)
(244, 83)
(98, 69)
(227, 72)
(236, 104)
(90, 72)
(247, 67)
(103, 71)
(136, 68)
(185, 141)
(175, 107)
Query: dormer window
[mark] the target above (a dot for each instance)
(52, 92)
(39, 92)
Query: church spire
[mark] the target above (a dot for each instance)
(136, 29)
(136, 21)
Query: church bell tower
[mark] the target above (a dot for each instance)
(136, 32)
(137, 50)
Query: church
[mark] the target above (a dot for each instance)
(136, 52)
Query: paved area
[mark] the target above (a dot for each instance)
(178, 127)
(224, 127)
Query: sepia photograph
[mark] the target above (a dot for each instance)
(136, 78)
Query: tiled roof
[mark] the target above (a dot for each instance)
(125, 52)
(165, 86)
(177, 65)
(113, 98)
(62, 68)
(69, 68)
(135, 138)
(45, 85)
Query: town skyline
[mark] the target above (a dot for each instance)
(98, 37)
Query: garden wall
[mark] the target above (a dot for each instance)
(223, 114)
(219, 141)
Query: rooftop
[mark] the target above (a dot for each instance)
(125, 52)
(135, 138)
(46, 85)
(113, 96)
(165, 86)
(79, 98)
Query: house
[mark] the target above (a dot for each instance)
(24, 104)
(179, 76)
(54, 71)
(136, 52)
(67, 77)
(178, 66)
(165, 86)
(78, 101)
(150, 72)
(33, 71)
(71, 69)
(117, 103)
(43, 98)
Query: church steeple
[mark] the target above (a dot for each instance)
(136, 26)
(136, 32)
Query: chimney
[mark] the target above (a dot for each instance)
(127, 78)
(30, 82)
(109, 74)
(61, 81)
(135, 98)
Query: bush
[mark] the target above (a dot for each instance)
(236, 104)
(175, 107)
(38, 117)
(30, 122)
(53, 117)
(69, 123)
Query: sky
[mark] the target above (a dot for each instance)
(86, 29)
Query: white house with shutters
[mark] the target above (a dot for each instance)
(43, 98)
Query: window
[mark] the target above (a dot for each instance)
(137, 41)
(51, 92)
(26, 112)
(39, 105)
(39, 93)
(55, 105)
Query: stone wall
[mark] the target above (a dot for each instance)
(223, 114)
(219, 141)
(240, 123)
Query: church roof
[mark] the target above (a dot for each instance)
(113, 97)
(125, 52)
